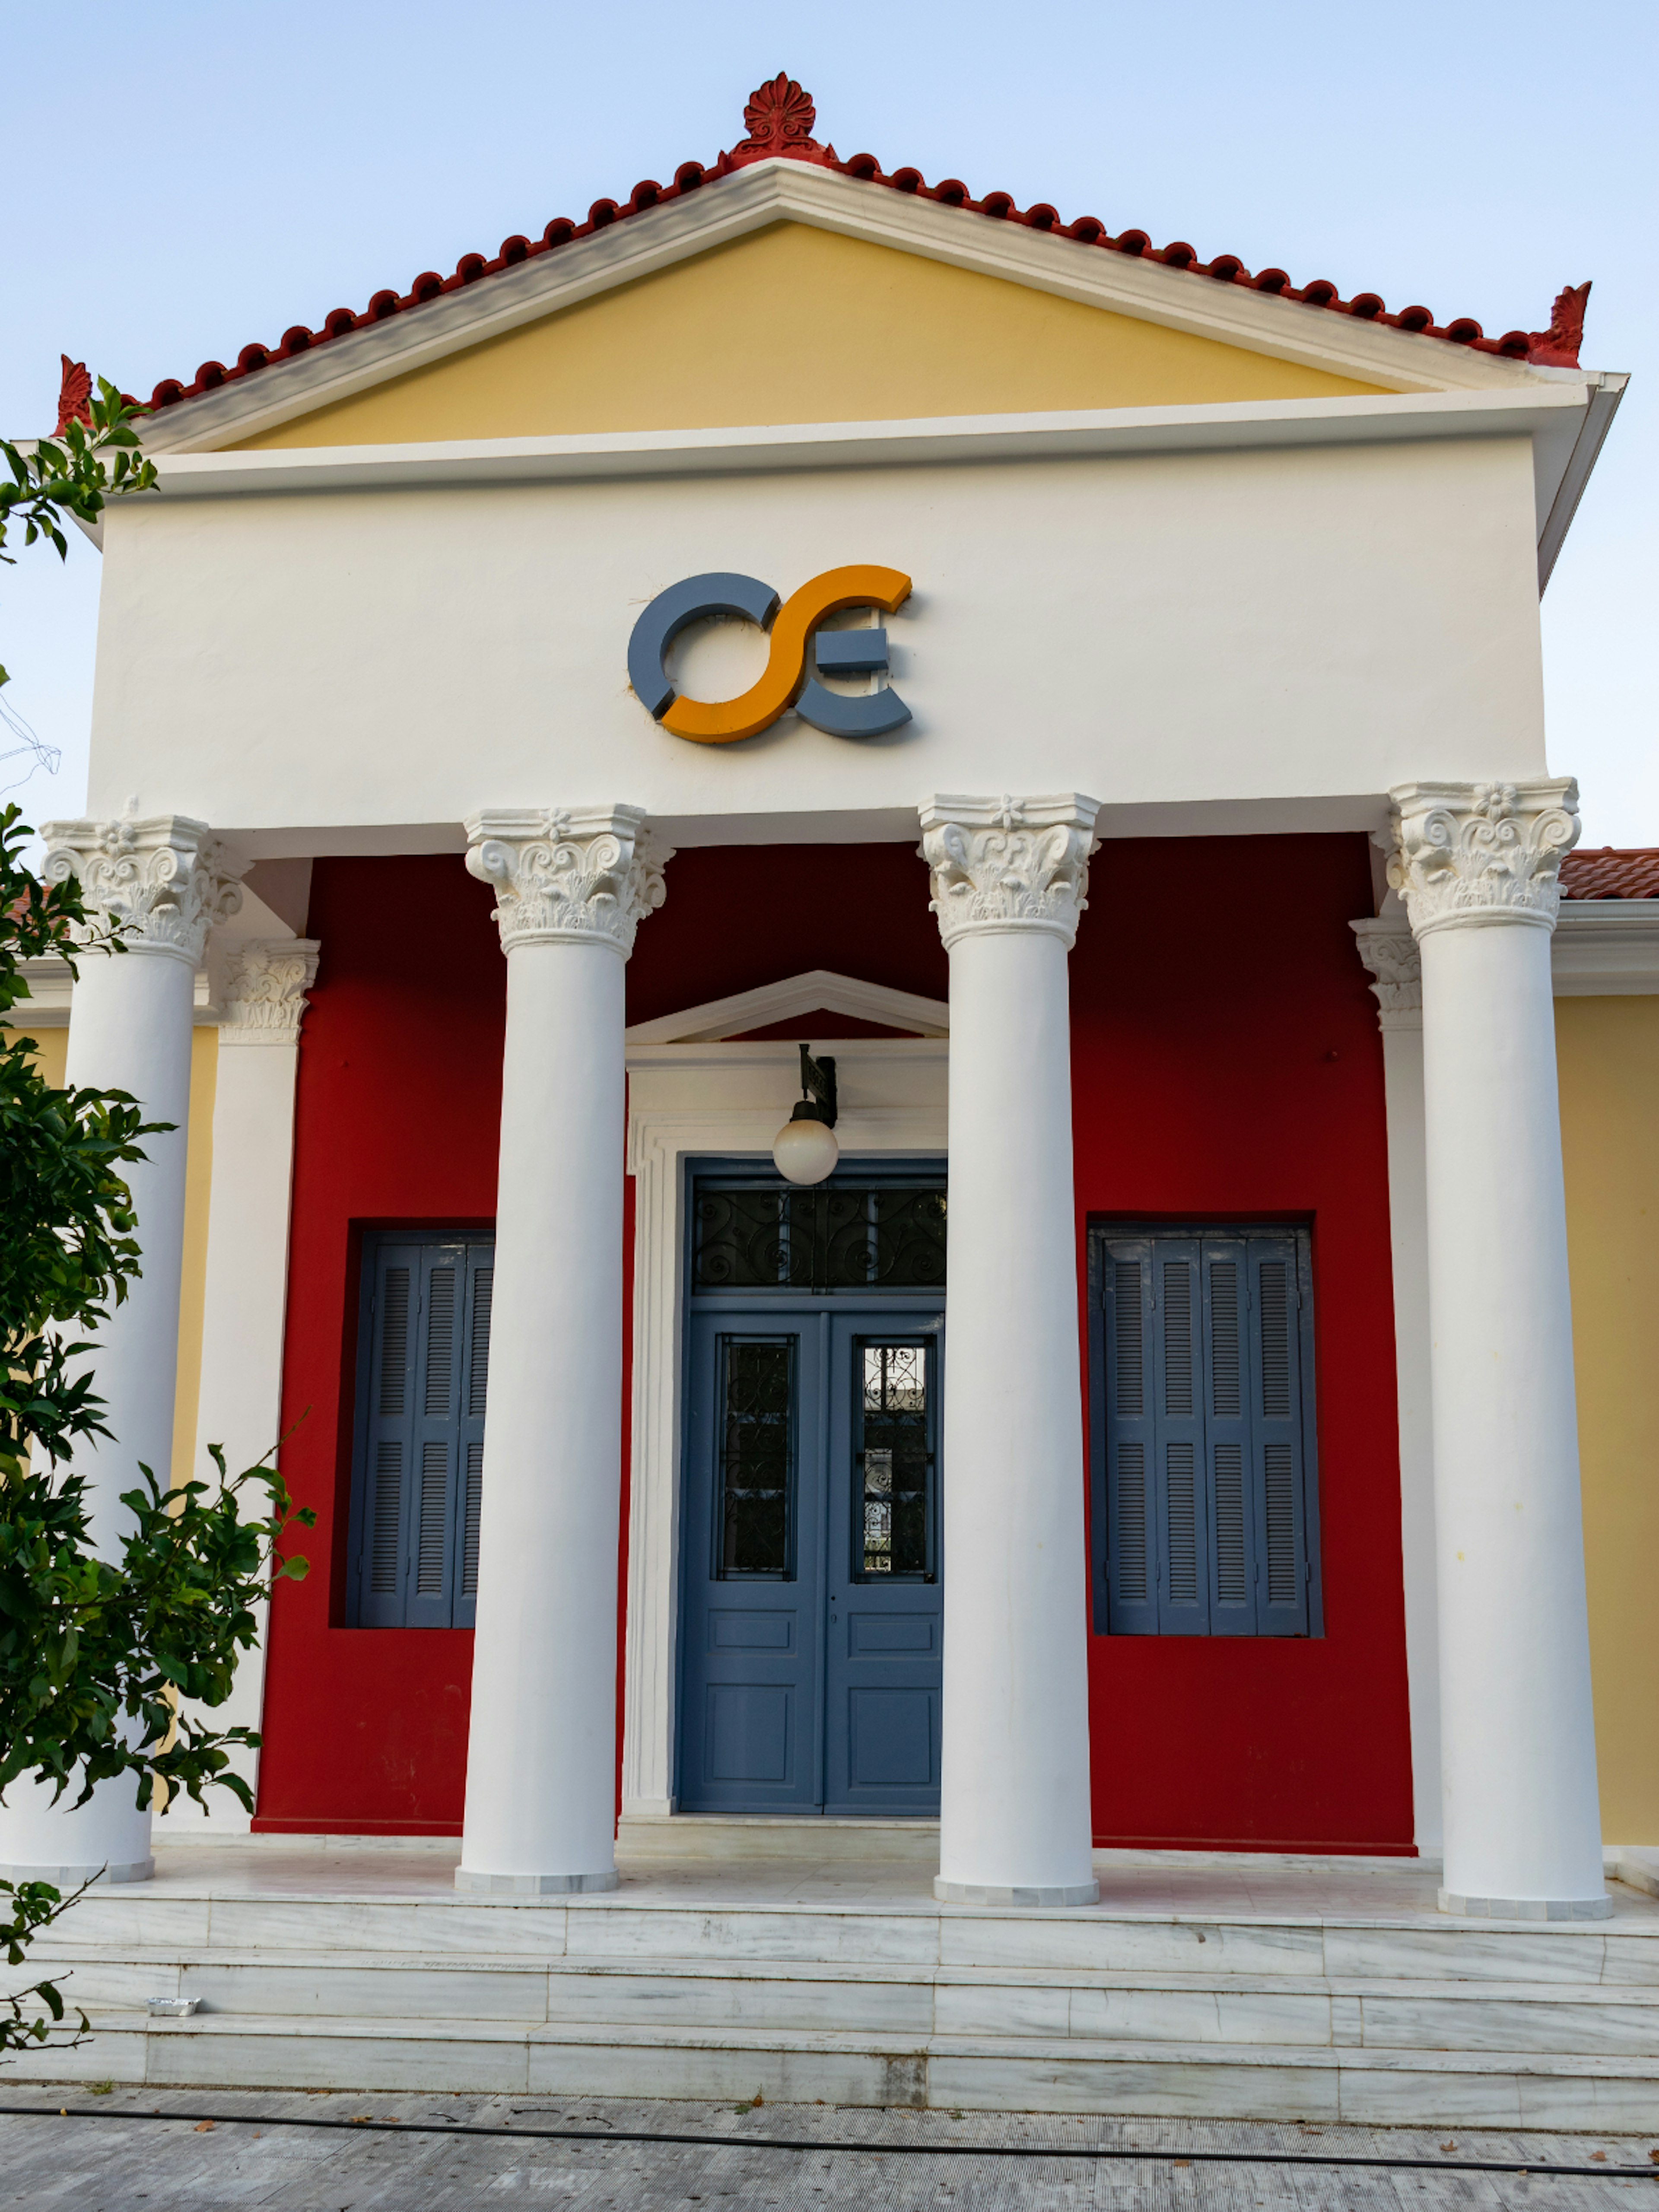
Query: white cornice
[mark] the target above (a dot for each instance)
(783, 190)
(1606, 948)
(1599, 949)
(820, 990)
(1553, 416)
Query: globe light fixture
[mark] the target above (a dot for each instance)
(806, 1150)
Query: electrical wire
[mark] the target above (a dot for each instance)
(1445, 2164)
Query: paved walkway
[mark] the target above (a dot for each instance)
(119, 2164)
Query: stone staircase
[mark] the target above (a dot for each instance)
(1407, 2020)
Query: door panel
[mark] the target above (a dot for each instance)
(885, 1587)
(753, 1580)
(812, 1625)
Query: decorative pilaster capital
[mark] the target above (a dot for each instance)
(584, 874)
(158, 883)
(1466, 854)
(1009, 864)
(266, 984)
(1389, 951)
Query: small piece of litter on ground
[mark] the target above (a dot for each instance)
(205, 2127)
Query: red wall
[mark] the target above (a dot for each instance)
(1227, 1064)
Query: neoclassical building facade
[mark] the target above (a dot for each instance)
(876, 1054)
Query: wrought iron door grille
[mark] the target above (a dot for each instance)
(837, 1237)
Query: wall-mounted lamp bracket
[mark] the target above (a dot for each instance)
(818, 1083)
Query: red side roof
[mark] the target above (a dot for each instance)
(779, 119)
(1609, 874)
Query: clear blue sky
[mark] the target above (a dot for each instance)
(245, 167)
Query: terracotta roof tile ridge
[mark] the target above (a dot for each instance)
(779, 119)
(1630, 872)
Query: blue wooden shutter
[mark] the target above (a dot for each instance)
(468, 1489)
(1232, 1564)
(389, 1394)
(420, 1418)
(1279, 1441)
(431, 1599)
(1183, 1590)
(1131, 1533)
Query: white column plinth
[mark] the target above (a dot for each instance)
(1389, 951)
(541, 1782)
(1015, 1828)
(1476, 867)
(163, 882)
(245, 1300)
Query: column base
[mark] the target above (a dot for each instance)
(982, 1893)
(533, 1885)
(1526, 1908)
(71, 1877)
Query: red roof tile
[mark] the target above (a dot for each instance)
(779, 119)
(1610, 874)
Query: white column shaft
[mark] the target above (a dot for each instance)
(130, 1029)
(246, 1302)
(160, 884)
(1477, 868)
(1009, 881)
(1519, 1740)
(1402, 1077)
(1014, 1813)
(541, 1763)
(541, 1774)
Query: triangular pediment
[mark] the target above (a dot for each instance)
(799, 323)
(794, 998)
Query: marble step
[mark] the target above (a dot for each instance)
(1283, 2081)
(696, 1995)
(923, 1936)
(693, 1839)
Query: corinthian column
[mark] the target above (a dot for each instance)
(1476, 866)
(159, 885)
(1390, 951)
(571, 889)
(1009, 879)
(246, 1298)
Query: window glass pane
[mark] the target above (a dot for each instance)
(837, 1237)
(756, 1447)
(894, 1460)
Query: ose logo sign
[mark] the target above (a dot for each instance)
(785, 681)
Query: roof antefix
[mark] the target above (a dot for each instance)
(779, 121)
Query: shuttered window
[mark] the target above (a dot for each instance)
(1205, 1496)
(422, 1370)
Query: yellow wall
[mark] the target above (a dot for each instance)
(51, 1046)
(796, 325)
(1609, 1061)
(192, 1289)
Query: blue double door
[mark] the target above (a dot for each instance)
(810, 1677)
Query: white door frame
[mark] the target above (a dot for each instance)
(718, 1100)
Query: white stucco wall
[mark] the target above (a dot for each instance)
(1302, 628)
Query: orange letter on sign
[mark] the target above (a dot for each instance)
(779, 685)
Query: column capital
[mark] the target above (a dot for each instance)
(266, 980)
(1390, 951)
(587, 874)
(1002, 865)
(158, 883)
(1466, 855)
